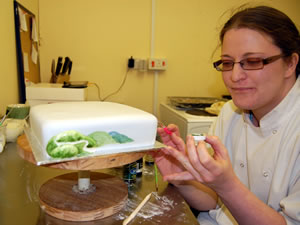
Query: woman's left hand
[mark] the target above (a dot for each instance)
(214, 171)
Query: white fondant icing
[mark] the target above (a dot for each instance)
(49, 120)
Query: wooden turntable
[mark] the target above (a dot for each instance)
(82, 195)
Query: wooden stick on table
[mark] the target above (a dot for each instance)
(133, 214)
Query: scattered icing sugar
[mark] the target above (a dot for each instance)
(160, 206)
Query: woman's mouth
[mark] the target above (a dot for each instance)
(241, 89)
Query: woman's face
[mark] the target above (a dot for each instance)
(256, 90)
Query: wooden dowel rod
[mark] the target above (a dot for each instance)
(133, 214)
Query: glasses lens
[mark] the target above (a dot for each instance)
(226, 65)
(252, 63)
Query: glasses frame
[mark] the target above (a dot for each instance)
(265, 61)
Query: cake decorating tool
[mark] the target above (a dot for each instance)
(166, 129)
(156, 177)
(133, 214)
(198, 137)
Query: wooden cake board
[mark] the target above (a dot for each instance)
(82, 196)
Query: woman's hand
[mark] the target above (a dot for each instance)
(167, 164)
(215, 170)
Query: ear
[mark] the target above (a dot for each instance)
(292, 64)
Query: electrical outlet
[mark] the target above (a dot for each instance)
(157, 64)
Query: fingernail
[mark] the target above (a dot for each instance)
(167, 150)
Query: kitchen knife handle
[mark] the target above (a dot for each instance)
(59, 65)
(53, 67)
(70, 67)
(66, 65)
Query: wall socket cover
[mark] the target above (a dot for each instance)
(157, 64)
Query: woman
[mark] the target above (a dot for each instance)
(253, 176)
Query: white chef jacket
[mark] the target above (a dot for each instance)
(266, 159)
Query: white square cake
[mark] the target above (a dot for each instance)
(71, 129)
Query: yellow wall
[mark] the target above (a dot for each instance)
(100, 35)
(8, 64)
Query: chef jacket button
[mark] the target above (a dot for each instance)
(274, 131)
(242, 165)
(265, 174)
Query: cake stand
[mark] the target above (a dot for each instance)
(82, 195)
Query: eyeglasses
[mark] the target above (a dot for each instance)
(251, 63)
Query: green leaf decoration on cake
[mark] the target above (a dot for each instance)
(102, 138)
(120, 138)
(72, 136)
(72, 143)
(82, 147)
(64, 151)
(68, 144)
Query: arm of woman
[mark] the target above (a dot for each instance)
(198, 195)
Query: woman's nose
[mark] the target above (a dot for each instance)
(238, 73)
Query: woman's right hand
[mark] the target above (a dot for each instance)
(166, 163)
(197, 195)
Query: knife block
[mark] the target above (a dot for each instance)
(61, 78)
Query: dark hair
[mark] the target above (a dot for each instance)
(270, 21)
